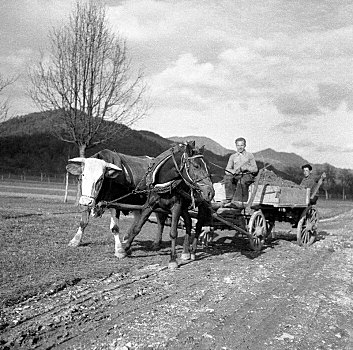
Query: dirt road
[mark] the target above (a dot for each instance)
(285, 297)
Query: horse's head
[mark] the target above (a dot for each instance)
(195, 171)
(92, 171)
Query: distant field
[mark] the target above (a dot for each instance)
(36, 189)
(331, 208)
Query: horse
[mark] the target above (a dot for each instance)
(178, 179)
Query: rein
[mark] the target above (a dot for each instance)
(184, 163)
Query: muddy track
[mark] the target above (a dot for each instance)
(285, 297)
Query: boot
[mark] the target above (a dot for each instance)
(229, 187)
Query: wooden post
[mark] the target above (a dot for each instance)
(66, 186)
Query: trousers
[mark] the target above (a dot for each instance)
(237, 187)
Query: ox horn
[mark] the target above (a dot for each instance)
(113, 166)
(77, 160)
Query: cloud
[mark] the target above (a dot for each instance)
(321, 147)
(239, 55)
(187, 81)
(292, 104)
(290, 127)
(333, 95)
(145, 20)
(187, 71)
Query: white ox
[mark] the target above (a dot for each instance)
(106, 180)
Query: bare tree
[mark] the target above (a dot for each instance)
(4, 103)
(88, 77)
(346, 178)
(330, 181)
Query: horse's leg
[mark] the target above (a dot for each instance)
(136, 227)
(176, 211)
(188, 235)
(76, 240)
(161, 218)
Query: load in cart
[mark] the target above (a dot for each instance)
(271, 199)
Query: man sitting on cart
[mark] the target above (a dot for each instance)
(239, 174)
(309, 181)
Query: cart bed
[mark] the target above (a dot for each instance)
(280, 196)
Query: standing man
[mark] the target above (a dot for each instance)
(239, 175)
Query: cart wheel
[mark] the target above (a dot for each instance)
(257, 230)
(307, 227)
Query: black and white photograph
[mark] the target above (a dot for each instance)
(176, 174)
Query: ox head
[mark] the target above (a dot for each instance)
(92, 171)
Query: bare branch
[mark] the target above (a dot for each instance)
(88, 77)
(4, 102)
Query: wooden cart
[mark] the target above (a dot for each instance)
(267, 204)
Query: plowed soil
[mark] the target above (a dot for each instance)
(57, 297)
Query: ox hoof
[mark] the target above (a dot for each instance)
(185, 256)
(121, 254)
(156, 246)
(74, 244)
(173, 265)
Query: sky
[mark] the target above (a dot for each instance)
(277, 72)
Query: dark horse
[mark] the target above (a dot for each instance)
(178, 178)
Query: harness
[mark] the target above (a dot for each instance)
(147, 183)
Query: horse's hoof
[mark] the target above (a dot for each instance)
(192, 257)
(185, 256)
(173, 265)
(121, 254)
(128, 252)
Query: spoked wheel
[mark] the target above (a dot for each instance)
(307, 227)
(257, 230)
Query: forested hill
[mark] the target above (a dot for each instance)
(27, 146)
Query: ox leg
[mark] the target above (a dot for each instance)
(114, 228)
(188, 236)
(161, 218)
(136, 227)
(176, 211)
(203, 213)
(76, 240)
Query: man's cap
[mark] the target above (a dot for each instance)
(307, 166)
(240, 139)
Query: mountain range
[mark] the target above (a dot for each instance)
(279, 160)
(26, 143)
